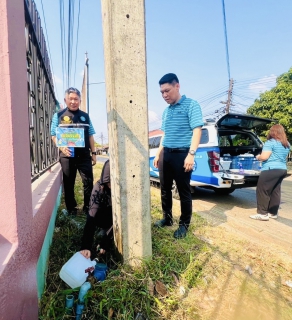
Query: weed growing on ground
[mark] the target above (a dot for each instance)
(203, 276)
(126, 291)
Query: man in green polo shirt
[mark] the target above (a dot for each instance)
(182, 124)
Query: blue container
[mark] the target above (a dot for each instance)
(72, 151)
(100, 271)
(256, 165)
(246, 162)
(234, 163)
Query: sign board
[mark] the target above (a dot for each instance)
(70, 137)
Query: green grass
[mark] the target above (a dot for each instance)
(126, 291)
(200, 277)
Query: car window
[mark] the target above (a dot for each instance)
(225, 141)
(156, 142)
(242, 140)
(151, 142)
(204, 136)
(236, 140)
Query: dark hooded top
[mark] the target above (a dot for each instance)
(100, 211)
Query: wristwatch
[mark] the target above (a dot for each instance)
(192, 152)
(93, 152)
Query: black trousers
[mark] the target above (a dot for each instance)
(269, 190)
(70, 167)
(103, 219)
(171, 168)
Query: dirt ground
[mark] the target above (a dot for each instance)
(245, 274)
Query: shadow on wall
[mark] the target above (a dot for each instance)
(5, 248)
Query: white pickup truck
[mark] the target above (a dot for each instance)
(225, 159)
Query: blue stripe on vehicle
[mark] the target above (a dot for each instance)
(202, 172)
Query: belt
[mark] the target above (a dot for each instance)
(176, 150)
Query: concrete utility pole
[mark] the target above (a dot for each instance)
(229, 98)
(126, 90)
(87, 81)
(101, 137)
(85, 87)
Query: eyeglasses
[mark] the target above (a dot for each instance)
(73, 90)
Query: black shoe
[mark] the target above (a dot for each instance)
(163, 223)
(181, 232)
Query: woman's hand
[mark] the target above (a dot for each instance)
(86, 253)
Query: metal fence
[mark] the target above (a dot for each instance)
(42, 103)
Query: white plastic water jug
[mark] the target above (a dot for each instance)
(73, 271)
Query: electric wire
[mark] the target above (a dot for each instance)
(226, 40)
(61, 14)
(64, 43)
(77, 41)
(69, 44)
(72, 33)
(51, 61)
(211, 94)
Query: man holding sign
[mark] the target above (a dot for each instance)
(72, 132)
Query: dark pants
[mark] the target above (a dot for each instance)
(103, 219)
(269, 190)
(70, 167)
(99, 216)
(171, 168)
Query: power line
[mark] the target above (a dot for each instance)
(70, 39)
(69, 43)
(226, 40)
(211, 94)
(51, 61)
(77, 41)
(62, 27)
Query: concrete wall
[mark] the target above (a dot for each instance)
(25, 213)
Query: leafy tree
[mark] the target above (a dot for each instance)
(275, 104)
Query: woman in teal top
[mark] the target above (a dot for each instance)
(274, 170)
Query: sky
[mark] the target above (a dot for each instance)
(186, 37)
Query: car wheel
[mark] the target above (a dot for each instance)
(224, 191)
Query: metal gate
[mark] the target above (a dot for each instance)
(42, 103)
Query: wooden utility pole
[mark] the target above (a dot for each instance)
(126, 91)
(229, 98)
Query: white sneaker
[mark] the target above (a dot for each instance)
(262, 217)
(273, 216)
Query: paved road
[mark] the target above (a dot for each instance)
(101, 159)
(233, 211)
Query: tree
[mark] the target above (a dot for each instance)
(275, 104)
